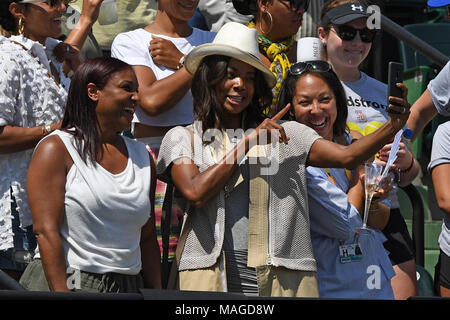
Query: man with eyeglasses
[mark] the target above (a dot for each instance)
(436, 99)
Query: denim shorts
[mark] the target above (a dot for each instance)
(21, 254)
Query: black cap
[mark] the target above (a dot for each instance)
(345, 13)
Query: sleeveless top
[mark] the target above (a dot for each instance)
(104, 212)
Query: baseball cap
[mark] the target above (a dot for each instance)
(345, 13)
(438, 3)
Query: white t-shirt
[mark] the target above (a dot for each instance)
(440, 154)
(367, 101)
(439, 91)
(132, 47)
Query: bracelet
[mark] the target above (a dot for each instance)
(46, 129)
(410, 166)
(181, 63)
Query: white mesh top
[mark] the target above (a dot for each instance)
(289, 233)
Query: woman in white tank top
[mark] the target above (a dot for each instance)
(91, 191)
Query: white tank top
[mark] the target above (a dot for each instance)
(104, 212)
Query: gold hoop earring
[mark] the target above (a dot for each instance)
(21, 26)
(271, 23)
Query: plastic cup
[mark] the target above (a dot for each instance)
(308, 49)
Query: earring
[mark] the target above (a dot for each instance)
(21, 26)
(271, 23)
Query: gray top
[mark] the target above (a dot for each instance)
(439, 92)
(440, 154)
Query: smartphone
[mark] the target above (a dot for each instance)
(395, 75)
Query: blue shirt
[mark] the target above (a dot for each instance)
(334, 221)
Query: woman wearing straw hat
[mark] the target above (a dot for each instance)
(234, 237)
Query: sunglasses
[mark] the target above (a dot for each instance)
(296, 5)
(348, 33)
(51, 3)
(316, 65)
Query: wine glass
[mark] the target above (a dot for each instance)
(372, 171)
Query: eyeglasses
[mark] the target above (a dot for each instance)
(316, 65)
(348, 33)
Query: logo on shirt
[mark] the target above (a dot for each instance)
(360, 102)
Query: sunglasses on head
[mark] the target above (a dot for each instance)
(348, 33)
(316, 65)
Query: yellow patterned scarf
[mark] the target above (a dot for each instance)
(277, 54)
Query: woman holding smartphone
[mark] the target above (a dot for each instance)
(347, 41)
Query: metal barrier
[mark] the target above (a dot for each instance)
(418, 221)
(415, 42)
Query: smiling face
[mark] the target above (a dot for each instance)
(117, 101)
(180, 9)
(235, 91)
(285, 21)
(314, 104)
(345, 54)
(42, 20)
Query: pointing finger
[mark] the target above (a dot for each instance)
(282, 112)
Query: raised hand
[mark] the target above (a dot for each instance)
(398, 108)
(91, 9)
(164, 52)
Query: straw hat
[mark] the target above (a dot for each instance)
(233, 40)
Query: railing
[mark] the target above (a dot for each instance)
(418, 221)
(413, 41)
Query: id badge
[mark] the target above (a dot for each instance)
(350, 253)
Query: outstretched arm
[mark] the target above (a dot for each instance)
(422, 112)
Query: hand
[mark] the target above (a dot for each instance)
(164, 52)
(90, 10)
(404, 156)
(69, 55)
(398, 108)
(272, 124)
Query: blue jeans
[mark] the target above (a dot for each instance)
(25, 242)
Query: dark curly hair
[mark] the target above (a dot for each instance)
(207, 109)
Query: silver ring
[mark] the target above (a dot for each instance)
(67, 49)
(403, 110)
